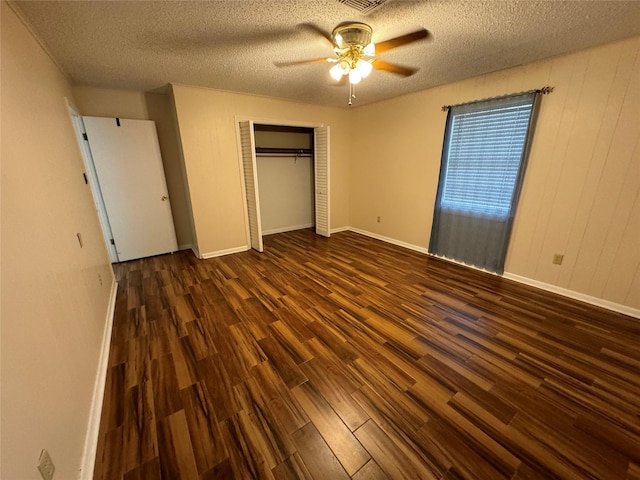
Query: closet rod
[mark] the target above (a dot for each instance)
(297, 155)
(284, 150)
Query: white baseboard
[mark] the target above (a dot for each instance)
(340, 229)
(186, 246)
(286, 229)
(389, 240)
(598, 302)
(91, 440)
(228, 251)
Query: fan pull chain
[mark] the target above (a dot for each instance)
(352, 93)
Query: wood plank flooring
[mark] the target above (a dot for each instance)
(348, 358)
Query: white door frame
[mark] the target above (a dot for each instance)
(94, 185)
(284, 123)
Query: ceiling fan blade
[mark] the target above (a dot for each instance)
(303, 62)
(316, 29)
(401, 40)
(393, 68)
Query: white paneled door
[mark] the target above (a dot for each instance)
(129, 168)
(249, 166)
(321, 167)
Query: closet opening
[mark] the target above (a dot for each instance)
(285, 166)
(286, 177)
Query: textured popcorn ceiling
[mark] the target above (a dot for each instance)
(232, 44)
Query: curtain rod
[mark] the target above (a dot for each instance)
(544, 91)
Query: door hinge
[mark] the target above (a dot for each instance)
(113, 242)
(86, 180)
(84, 135)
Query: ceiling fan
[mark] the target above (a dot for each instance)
(355, 53)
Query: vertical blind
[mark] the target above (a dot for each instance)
(483, 159)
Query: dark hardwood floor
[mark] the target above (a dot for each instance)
(350, 358)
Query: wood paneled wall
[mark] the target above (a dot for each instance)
(582, 186)
(580, 196)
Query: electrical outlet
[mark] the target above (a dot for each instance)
(45, 465)
(378, 220)
(557, 259)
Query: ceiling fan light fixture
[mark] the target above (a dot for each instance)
(363, 68)
(369, 50)
(355, 53)
(352, 34)
(354, 77)
(336, 72)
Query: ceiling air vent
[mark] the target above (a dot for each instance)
(363, 6)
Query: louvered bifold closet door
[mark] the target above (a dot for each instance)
(321, 163)
(251, 184)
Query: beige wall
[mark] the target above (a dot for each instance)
(287, 194)
(268, 139)
(160, 108)
(54, 306)
(106, 102)
(207, 124)
(581, 194)
(102, 102)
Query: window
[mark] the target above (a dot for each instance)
(481, 173)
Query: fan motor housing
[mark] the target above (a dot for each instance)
(352, 34)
